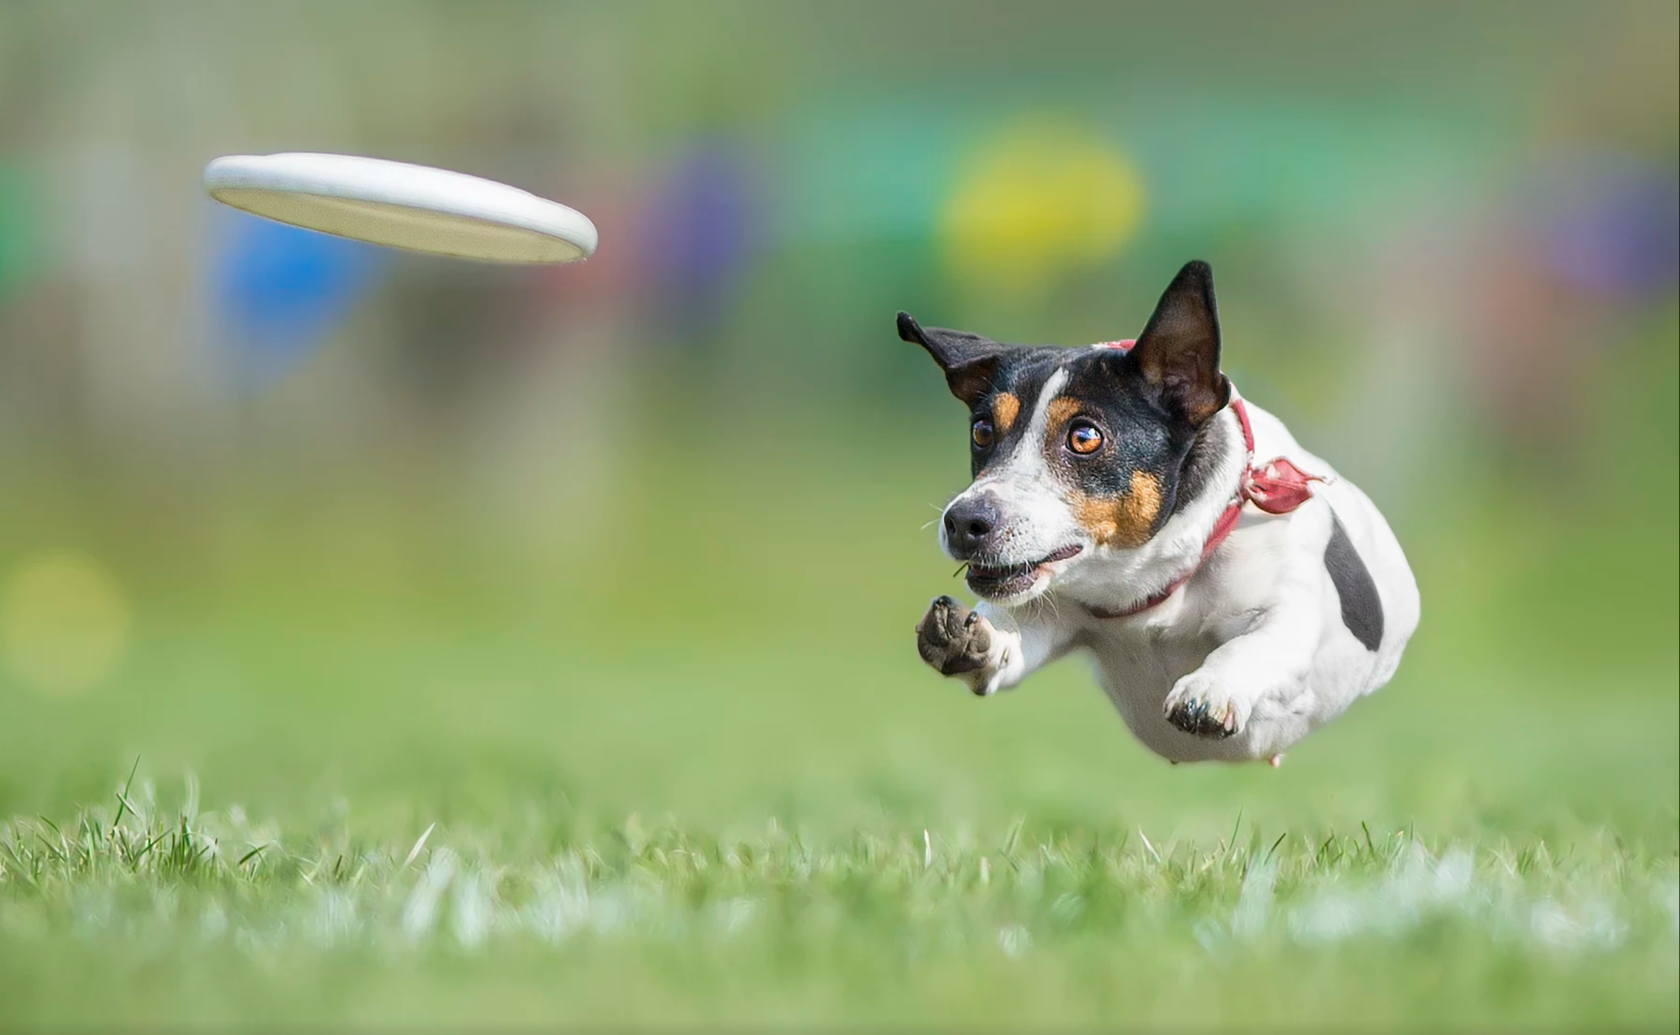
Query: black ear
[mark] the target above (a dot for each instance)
(969, 361)
(1178, 352)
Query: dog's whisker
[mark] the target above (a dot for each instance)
(940, 507)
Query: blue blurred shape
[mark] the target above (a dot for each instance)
(279, 291)
(702, 228)
(1612, 225)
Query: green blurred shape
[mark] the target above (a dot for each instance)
(20, 238)
(864, 171)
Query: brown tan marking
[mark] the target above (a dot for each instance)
(1127, 520)
(1005, 408)
(1062, 409)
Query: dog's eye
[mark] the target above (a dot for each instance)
(1084, 438)
(981, 433)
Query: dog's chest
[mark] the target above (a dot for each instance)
(1138, 664)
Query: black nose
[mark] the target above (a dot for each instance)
(968, 523)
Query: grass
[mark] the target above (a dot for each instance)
(389, 773)
(938, 926)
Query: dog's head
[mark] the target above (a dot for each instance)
(1078, 452)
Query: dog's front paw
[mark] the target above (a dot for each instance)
(953, 639)
(1200, 706)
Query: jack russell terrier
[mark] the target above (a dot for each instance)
(1234, 592)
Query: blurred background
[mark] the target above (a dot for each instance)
(336, 527)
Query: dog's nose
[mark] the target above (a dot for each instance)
(968, 523)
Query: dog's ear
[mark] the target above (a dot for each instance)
(970, 362)
(1178, 351)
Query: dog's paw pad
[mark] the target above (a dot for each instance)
(1202, 711)
(952, 638)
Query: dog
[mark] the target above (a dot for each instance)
(1234, 592)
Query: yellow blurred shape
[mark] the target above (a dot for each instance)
(63, 622)
(1037, 200)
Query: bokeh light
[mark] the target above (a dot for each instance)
(64, 622)
(1039, 198)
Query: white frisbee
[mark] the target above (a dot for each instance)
(403, 206)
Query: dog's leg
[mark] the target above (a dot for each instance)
(1271, 659)
(989, 649)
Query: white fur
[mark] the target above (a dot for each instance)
(1257, 631)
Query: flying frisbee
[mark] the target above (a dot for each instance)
(404, 206)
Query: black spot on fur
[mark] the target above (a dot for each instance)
(1362, 609)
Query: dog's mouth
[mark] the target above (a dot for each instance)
(999, 582)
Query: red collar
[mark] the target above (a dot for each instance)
(1277, 487)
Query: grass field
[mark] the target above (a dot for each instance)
(395, 770)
